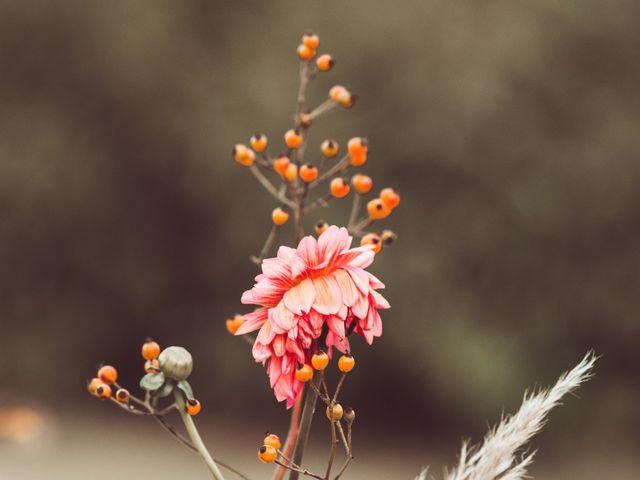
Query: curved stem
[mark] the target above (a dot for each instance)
(195, 437)
(305, 424)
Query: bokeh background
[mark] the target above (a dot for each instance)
(510, 128)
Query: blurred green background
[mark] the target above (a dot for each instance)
(510, 128)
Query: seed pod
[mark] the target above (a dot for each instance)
(349, 414)
(176, 363)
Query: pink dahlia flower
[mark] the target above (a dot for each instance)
(322, 282)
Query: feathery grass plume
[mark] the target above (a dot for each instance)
(500, 455)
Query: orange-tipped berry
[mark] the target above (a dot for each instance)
(273, 440)
(325, 62)
(390, 197)
(279, 216)
(103, 391)
(362, 183)
(339, 94)
(291, 173)
(377, 209)
(388, 237)
(292, 138)
(150, 350)
(349, 414)
(348, 100)
(339, 187)
(372, 239)
(320, 360)
(346, 363)
(305, 53)
(329, 148)
(308, 173)
(108, 374)
(281, 164)
(122, 395)
(193, 407)
(243, 155)
(259, 142)
(304, 373)
(311, 40)
(305, 119)
(151, 366)
(267, 454)
(357, 146)
(358, 160)
(335, 412)
(93, 385)
(233, 324)
(320, 227)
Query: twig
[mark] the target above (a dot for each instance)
(355, 210)
(299, 470)
(334, 444)
(343, 164)
(268, 243)
(292, 435)
(305, 425)
(335, 395)
(319, 202)
(264, 181)
(323, 108)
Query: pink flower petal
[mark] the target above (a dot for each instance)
(359, 278)
(347, 287)
(308, 251)
(328, 296)
(299, 299)
(336, 325)
(278, 345)
(379, 301)
(253, 321)
(282, 317)
(266, 334)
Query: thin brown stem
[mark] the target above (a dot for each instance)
(355, 210)
(292, 435)
(319, 202)
(339, 167)
(268, 243)
(323, 108)
(334, 444)
(264, 181)
(340, 382)
(364, 223)
(299, 470)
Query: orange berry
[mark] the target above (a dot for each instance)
(390, 197)
(320, 360)
(338, 94)
(103, 391)
(308, 173)
(362, 183)
(304, 373)
(150, 350)
(329, 148)
(377, 209)
(108, 374)
(233, 324)
(357, 146)
(325, 62)
(279, 216)
(335, 412)
(193, 407)
(93, 385)
(273, 440)
(388, 237)
(372, 239)
(359, 159)
(339, 187)
(305, 53)
(151, 366)
(292, 138)
(243, 155)
(122, 395)
(291, 173)
(320, 227)
(305, 120)
(281, 164)
(346, 363)
(259, 142)
(311, 40)
(267, 454)
(348, 100)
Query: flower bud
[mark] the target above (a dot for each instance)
(176, 363)
(349, 414)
